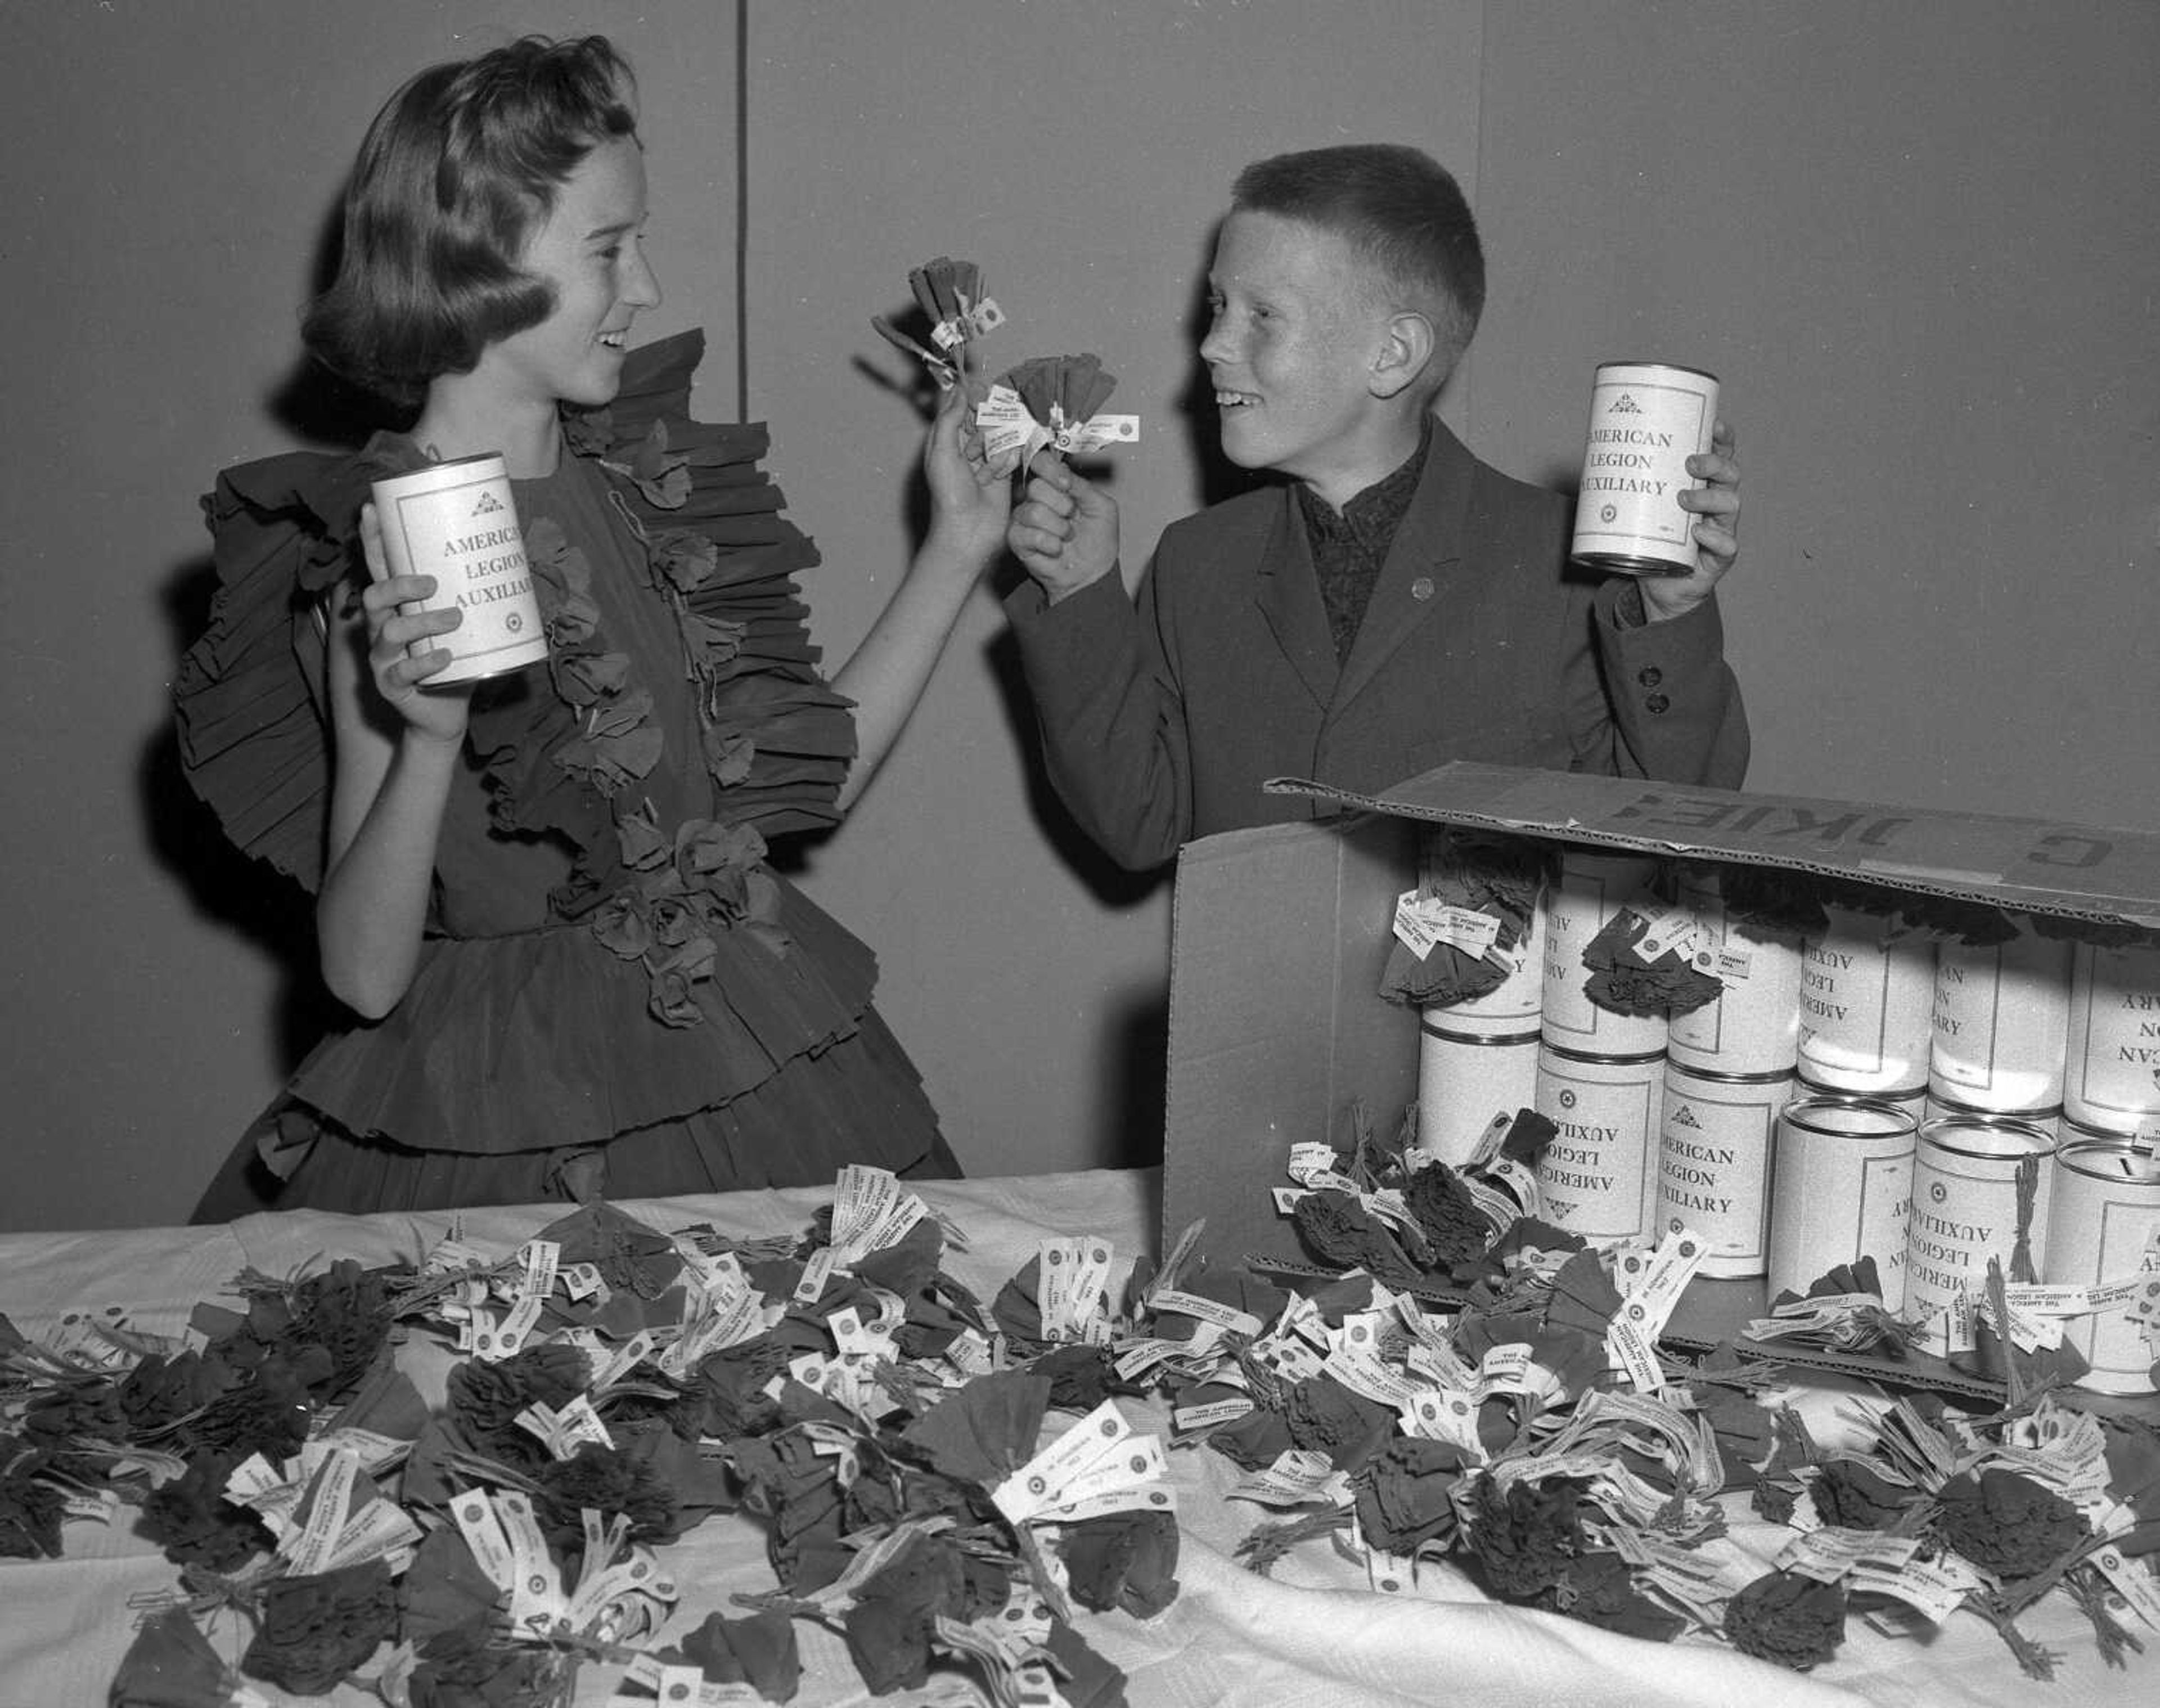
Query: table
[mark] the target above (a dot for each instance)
(1313, 1634)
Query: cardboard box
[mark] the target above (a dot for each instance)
(1280, 936)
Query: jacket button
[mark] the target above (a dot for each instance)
(1421, 588)
(1657, 703)
(1649, 676)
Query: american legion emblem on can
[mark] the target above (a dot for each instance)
(1646, 420)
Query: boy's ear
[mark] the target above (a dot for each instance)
(1407, 346)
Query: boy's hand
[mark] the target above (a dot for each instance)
(1716, 535)
(1065, 531)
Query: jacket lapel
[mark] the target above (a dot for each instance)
(1287, 590)
(1414, 582)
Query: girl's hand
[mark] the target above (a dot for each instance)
(970, 496)
(438, 714)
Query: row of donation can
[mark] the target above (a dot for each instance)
(1859, 1091)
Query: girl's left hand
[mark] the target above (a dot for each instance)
(970, 496)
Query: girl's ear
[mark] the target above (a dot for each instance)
(1406, 350)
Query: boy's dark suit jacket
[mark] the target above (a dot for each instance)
(1160, 723)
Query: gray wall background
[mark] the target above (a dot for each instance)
(1917, 241)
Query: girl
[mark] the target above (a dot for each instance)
(545, 897)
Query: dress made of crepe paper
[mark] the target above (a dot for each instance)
(616, 994)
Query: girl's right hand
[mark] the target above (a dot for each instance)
(438, 714)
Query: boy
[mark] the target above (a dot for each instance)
(1396, 603)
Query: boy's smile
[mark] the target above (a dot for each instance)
(1295, 329)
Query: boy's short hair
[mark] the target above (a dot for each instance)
(457, 169)
(1402, 212)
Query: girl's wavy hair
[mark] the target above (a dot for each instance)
(455, 172)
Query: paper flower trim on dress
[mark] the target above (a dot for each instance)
(1052, 403)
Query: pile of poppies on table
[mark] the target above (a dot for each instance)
(952, 1486)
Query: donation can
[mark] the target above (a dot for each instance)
(1717, 1138)
(1753, 1027)
(2111, 1060)
(2002, 1018)
(1646, 420)
(1467, 1079)
(1596, 1175)
(1840, 1189)
(458, 522)
(1965, 1211)
(2104, 1227)
(1866, 992)
(1582, 900)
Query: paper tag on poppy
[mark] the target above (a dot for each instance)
(1444, 1414)
(1828, 1553)
(2131, 1581)
(656, 1677)
(1633, 1351)
(535, 1585)
(493, 1340)
(623, 1360)
(1520, 1183)
(581, 1281)
(870, 1211)
(542, 1259)
(815, 1272)
(320, 1517)
(1928, 1586)
(1423, 922)
(639, 1574)
(475, 1516)
(450, 1255)
(1189, 1420)
(1672, 1266)
(1071, 1274)
(1503, 1368)
(1298, 1477)
(1081, 1449)
(973, 322)
(1227, 1317)
(1676, 932)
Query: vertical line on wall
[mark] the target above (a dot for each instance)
(742, 210)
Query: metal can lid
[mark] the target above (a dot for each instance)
(2114, 1158)
(1669, 367)
(1986, 1136)
(1631, 1060)
(1849, 1115)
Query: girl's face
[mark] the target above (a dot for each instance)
(590, 250)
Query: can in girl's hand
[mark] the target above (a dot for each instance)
(1646, 420)
(457, 522)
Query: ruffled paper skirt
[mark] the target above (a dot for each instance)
(524, 1069)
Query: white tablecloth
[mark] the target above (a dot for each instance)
(1312, 1635)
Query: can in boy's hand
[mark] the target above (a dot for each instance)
(1646, 420)
(457, 522)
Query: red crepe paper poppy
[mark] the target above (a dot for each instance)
(1405, 1494)
(171, 1664)
(314, 1630)
(2006, 1523)
(1785, 1617)
(758, 1650)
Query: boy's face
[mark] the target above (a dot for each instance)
(1290, 349)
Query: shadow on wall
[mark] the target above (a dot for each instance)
(244, 894)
